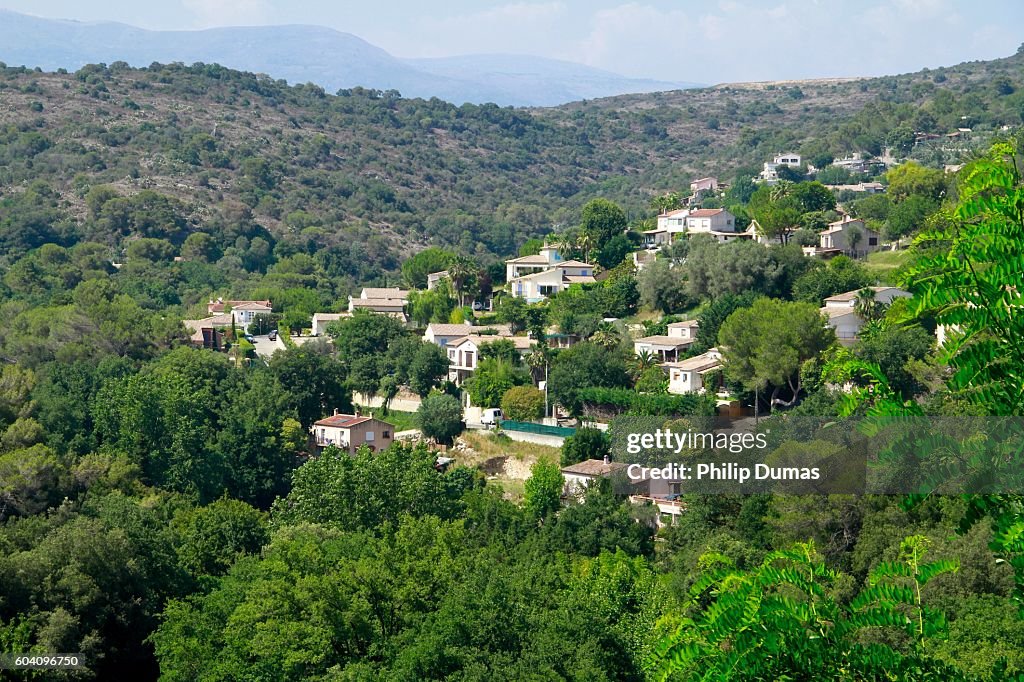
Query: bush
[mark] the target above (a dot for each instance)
(523, 403)
(614, 401)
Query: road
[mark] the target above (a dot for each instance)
(264, 346)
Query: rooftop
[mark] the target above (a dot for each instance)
(699, 363)
(707, 212)
(384, 292)
(852, 295)
(593, 467)
(685, 324)
(344, 421)
(670, 341)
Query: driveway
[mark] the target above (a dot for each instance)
(264, 346)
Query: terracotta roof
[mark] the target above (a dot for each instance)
(535, 259)
(344, 421)
(466, 329)
(572, 264)
(706, 212)
(674, 213)
(378, 302)
(580, 279)
(219, 306)
(831, 313)
(520, 342)
(593, 467)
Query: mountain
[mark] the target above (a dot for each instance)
(301, 54)
(537, 81)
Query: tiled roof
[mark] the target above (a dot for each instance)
(385, 292)
(707, 212)
(573, 264)
(466, 330)
(673, 341)
(344, 421)
(685, 324)
(378, 302)
(852, 295)
(535, 259)
(593, 467)
(698, 363)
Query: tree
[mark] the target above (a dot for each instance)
(909, 216)
(900, 139)
(716, 312)
(314, 383)
(543, 490)
(911, 178)
(585, 364)
(614, 251)
(663, 287)
(416, 268)
(839, 275)
(586, 443)
(523, 403)
(768, 343)
(713, 269)
(603, 220)
(492, 379)
(428, 367)
(440, 417)
(462, 272)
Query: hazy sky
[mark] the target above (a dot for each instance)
(678, 40)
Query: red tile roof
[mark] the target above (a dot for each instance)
(343, 421)
(706, 212)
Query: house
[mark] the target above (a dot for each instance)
(321, 320)
(687, 329)
(382, 300)
(665, 348)
(859, 188)
(537, 277)
(349, 432)
(840, 310)
(242, 312)
(464, 353)
(770, 173)
(855, 163)
(688, 376)
(704, 185)
(547, 258)
(383, 293)
(555, 338)
(434, 277)
(208, 332)
(673, 221)
(578, 477)
(443, 334)
(840, 236)
(718, 222)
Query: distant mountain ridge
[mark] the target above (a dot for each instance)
(300, 54)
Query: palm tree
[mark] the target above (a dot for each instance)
(565, 244)
(643, 360)
(781, 190)
(460, 271)
(867, 307)
(667, 202)
(606, 336)
(585, 242)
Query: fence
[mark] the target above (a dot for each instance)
(541, 429)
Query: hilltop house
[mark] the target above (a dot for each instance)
(321, 320)
(669, 225)
(704, 185)
(434, 278)
(464, 353)
(718, 222)
(688, 376)
(840, 310)
(351, 431)
(535, 278)
(849, 236)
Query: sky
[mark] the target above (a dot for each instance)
(673, 40)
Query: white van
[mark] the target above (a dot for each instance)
(491, 416)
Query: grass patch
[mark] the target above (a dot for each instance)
(486, 447)
(882, 264)
(403, 421)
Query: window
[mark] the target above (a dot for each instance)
(386, 434)
(872, 241)
(370, 437)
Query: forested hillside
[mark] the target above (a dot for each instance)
(371, 176)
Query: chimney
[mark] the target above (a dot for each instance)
(357, 411)
(335, 411)
(606, 460)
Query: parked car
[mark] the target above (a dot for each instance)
(272, 335)
(250, 338)
(491, 416)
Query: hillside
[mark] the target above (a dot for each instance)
(311, 54)
(374, 176)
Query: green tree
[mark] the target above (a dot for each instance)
(492, 379)
(603, 220)
(663, 287)
(440, 417)
(584, 365)
(416, 268)
(768, 343)
(586, 443)
(428, 367)
(314, 383)
(523, 403)
(911, 178)
(543, 490)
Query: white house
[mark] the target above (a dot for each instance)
(321, 320)
(241, 312)
(578, 477)
(687, 376)
(434, 277)
(840, 313)
(351, 431)
(770, 173)
(839, 236)
(687, 329)
(443, 334)
(673, 221)
(464, 353)
(548, 258)
(718, 222)
(665, 348)
(540, 285)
